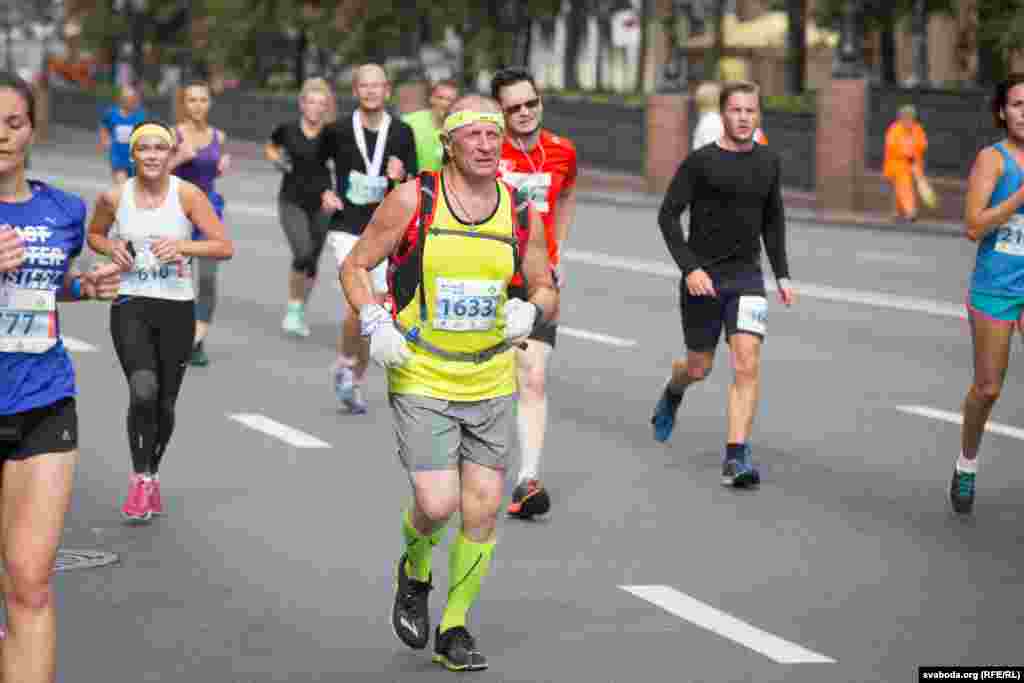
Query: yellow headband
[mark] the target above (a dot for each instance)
(465, 117)
(154, 129)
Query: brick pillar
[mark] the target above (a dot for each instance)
(668, 138)
(411, 97)
(842, 120)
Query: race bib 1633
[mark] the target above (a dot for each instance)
(466, 305)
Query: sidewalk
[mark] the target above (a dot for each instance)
(621, 189)
(595, 187)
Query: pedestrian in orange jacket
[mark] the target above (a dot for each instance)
(905, 144)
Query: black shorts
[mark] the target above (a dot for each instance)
(544, 332)
(39, 431)
(736, 308)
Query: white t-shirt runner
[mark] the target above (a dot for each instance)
(143, 227)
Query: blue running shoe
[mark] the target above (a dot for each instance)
(664, 419)
(740, 472)
(961, 491)
(348, 392)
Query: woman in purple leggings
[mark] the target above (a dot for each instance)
(200, 159)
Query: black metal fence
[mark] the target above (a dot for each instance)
(608, 136)
(250, 116)
(793, 136)
(81, 109)
(958, 125)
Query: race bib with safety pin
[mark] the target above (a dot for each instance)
(364, 189)
(752, 315)
(151, 278)
(466, 305)
(28, 320)
(1010, 238)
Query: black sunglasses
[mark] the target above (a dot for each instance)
(529, 104)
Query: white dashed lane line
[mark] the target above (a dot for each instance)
(726, 625)
(957, 419)
(290, 435)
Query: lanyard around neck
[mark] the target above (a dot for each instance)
(373, 165)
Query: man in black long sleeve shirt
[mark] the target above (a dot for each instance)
(735, 200)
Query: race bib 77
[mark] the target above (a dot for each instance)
(28, 320)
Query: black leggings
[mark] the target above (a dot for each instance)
(206, 287)
(306, 230)
(153, 340)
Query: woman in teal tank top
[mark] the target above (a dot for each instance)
(995, 303)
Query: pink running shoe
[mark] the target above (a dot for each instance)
(156, 503)
(136, 506)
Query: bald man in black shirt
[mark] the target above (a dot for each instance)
(732, 188)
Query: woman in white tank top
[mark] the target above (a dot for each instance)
(153, 320)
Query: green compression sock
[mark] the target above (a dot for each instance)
(468, 564)
(418, 548)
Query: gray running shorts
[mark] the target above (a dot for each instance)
(434, 434)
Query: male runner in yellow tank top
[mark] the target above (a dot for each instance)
(455, 241)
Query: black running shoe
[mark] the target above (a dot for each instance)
(528, 499)
(410, 617)
(740, 472)
(961, 491)
(456, 650)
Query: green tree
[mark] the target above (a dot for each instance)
(796, 46)
(1000, 36)
(492, 32)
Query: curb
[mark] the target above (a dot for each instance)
(635, 200)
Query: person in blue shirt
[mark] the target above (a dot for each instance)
(116, 126)
(994, 216)
(42, 230)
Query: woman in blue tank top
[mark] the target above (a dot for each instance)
(199, 160)
(42, 230)
(995, 301)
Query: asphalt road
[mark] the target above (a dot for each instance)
(274, 563)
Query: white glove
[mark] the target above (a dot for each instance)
(387, 345)
(519, 318)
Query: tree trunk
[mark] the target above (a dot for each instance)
(300, 57)
(138, 24)
(991, 65)
(523, 40)
(641, 67)
(887, 53)
(718, 47)
(919, 43)
(796, 46)
(575, 25)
